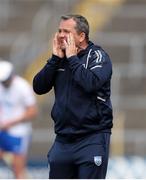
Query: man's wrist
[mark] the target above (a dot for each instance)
(71, 56)
(54, 56)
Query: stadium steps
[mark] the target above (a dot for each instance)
(19, 20)
(129, 21)
(130, 18)
(97, 17)
(21, 15)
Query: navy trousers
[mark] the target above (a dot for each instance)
(82, 158)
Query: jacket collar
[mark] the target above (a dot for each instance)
(85, 51)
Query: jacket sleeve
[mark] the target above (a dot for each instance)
(92, 75)
(44, 80)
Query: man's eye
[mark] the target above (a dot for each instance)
(63, 31)
(66, 31)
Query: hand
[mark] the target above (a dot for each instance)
(56, 47)
(70, 47)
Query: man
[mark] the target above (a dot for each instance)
(80, 73)
(17, 108)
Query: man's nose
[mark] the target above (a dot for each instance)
(62, 34)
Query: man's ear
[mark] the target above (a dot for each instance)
(82, 37)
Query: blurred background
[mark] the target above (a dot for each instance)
(119, 26)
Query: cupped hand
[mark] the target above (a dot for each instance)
(56, 47)
(70, 46)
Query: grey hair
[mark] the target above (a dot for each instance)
(82, 24)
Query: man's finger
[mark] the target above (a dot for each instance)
(65, 43)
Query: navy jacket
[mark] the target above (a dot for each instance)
(82, 91)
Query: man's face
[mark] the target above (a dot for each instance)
(65, 27)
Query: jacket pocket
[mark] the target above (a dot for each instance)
(91, 116)
(105, 112)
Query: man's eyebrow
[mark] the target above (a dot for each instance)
(65, 30)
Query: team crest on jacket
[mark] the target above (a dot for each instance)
(98, 160)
